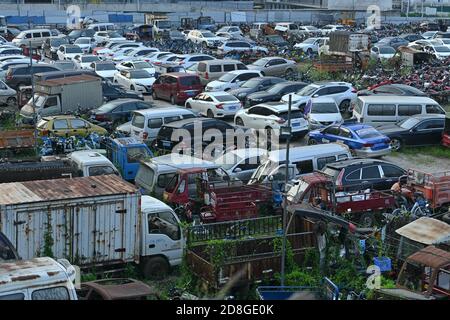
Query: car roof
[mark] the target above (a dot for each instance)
(236, 72)
(429, 116)
(396, 99)
(180, 74)
(356, 126)
(88, 157)
(164, 110)
(345, 163)
(308, 151)
(152, 204)
(191, 121)
(247, 152)
(277, 106)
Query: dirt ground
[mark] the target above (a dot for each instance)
(421, 162)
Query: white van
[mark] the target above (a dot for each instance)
(302, 160)
(36, 36)
(154, 175)
(37, 279)
(210, 70)
(90, 163)
(378, 109)
(102, 26)
(146, 123)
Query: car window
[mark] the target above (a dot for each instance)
(213, 68)
(391, 171)
(100, 171)
(171, 119)
(241, 66)
(322, 92)
(354, 175)
(305, 166)
(371, 172)
(60, 124)
(343, 132)
(409, 110)
(247, 76)
(228, 67)
(128, 107)
(51, 101)
(337, 89)
(138, 120)
(56, 293)
(332, 130)
(13, 296)
(77, 124)
(434, 109)
(155, 123)
(321, 162)
(430, 124)
(381, 110)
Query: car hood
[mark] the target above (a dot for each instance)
(235, 92)
(126, 127)
(253, 67)
(145, 82)
(335, 117)
(216, 84)
(106, 73)
(260, 95)
(390, 129)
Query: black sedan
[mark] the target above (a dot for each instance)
(418, 130)
(118, 111)
(396, 89)
(254, 85)
(113, 91)
(274, 93)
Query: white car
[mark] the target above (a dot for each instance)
(205, 38)
(232, 80)
(309, 30)
(108, 53)
(241, 163)
(323, 112)
(136, 53)
(7, 95)
(101, 37)
(342, 92)
(105, 69)
(326, 30)
(240, 46)
(310, 45)
(68, 51)
(443, 42)
(4, 66)
(271, 115)
(136, 65)
(232, 30)
(429, 34)
(189, 59)
(382, 52)
(10, 50)
(86, 44)
(12, 57)
(135, 80)
(84, 61)
(214, 104)
(155, 56)
(441, 52)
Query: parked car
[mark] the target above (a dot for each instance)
(419, 130)
(176, 87)
(214, 69)
(323, 112)
(104, 69)
(232, 80)
(326, 30)
(134, 54)
(189, 59)
(397, 89)
(205, 37)
(68, 51)
(34, 36)
(78, 33)
(428, 34)
(17, 76)
(51, 45)
(276, 40)
(155, 56)
(342, 92)
(214, 104)
(310, 45)
(164, 68)
(411, 37)
(118, 111)
(360, 174)
(233, 30)
(175, 35)
(273, 93)
(240, 46)
(271, 115)
(382, 52)
(241, 163)
(10, 51)
(86, 44)
(65, 65)
(440, 52)
(254, 85)
(7, 95)
(393, 42)
(84, 62)
(274, 66)
(65, 126)
(4, 66)
(136, 65)
(135, 80)
(363, 140)
(113, 91)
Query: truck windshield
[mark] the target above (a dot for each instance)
(263, 171)
(172, 184)
(38, 100)
(101, 170)
(135, 154)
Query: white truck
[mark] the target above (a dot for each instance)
(97, 221)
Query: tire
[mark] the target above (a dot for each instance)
(309, 51)
(312, 142)
(288, 73)
(172, 100)
(11, 101)
(239, 122)
(396, 144)
(154, 96)
(209, 114)
(367, 220)
(188, 106)
(344, 107)
(155, 268)
(132, 88)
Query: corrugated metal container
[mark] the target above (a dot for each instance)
(91, 220)
(342, 42)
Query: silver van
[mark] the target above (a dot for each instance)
(213, 69)
(380, 110)
(36, 36)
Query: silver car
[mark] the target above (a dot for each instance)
(7, 95)
(274, 66)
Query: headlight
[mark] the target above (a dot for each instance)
(313, 121)
(241, 95)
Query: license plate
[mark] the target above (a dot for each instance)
(232, 108)
(166, 143)
(190, 94)
(295, 124)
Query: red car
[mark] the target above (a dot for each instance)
(176, 87)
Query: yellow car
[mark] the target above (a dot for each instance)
(66, 126)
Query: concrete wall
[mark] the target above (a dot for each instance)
(384, 5)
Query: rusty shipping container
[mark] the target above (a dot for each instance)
(88, 220)
(344, 42)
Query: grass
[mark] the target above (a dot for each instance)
(435, 151)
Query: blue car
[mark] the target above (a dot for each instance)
(363, 140)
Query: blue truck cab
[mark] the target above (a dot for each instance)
(126, 154)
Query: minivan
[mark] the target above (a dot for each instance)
(154, 175)
(176, 87)
(36, 36)
(302, 160)
(102, 26)
(145, 124)
(213, 69)
(378, 109)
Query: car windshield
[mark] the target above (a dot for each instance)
(142, 65)
(58, 42)
(228, 160)
(387, 50)
(227, 77)
(307, 91)
(367, 133)
(310, 40)
(89, 59)
(114, 35)
(252, 83)
(409, 123)
(73, 50)
(260, 62)
(208, 34)
(135, 154)
(324, 108)
(82, 41)
(226, 98)
(107, 107)
(105, 66)
(442, 49)
(140, 74)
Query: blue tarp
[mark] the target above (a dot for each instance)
(120, 18)
(25, 19)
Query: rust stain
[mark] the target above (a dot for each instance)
(24, 278)
(52, 273)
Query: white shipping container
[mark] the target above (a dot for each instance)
(90, 220)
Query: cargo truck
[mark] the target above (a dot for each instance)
(63, 96)
(96, 221)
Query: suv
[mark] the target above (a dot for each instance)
(205, 38)
(51, 45)
(21, 75)
(176, 87)
(357, 174)
(342, 92)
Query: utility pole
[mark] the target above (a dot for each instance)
(286, 180)
(30, 52)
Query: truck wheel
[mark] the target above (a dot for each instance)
(155, 268)
(344, 107)
(11, 101)
(367, 220)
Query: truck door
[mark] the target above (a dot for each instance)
(51, 106)
(163, 236)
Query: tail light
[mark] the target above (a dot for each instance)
(368, 145)
(281, 121)
(157, 62)
(100, 117)
(354, 90)
(219, 106)
(145, 135)
(339, 185)
(206, 76)
(147, 60)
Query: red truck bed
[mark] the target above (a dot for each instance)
(435, 187)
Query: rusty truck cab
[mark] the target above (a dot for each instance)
(311, 187)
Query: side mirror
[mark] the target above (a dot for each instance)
(413, 130)
(315, 96)
(237, 170)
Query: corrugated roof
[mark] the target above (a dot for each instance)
(426, 230)
(68, 80)
(57, 189)
(431, 256)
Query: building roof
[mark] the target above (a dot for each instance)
(426, 230)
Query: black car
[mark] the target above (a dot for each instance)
(17, 76)
(274, 93)
(276, 40)
(254, 85)
(360, 174)
(419, 130)
(118, 111)
(51, 45)
(113, 91)
(411, 37)
(165, 140)
(396, 89)
(175, 35)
